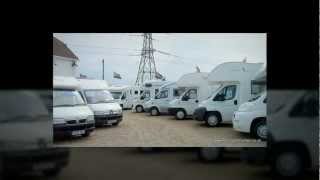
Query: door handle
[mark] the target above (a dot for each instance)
(235, 102)
(196, 101)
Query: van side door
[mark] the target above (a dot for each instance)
(227, 101)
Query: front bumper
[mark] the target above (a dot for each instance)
(27, 161)
(199, 114)
(102, 120)
(61, 130)
(241, 121)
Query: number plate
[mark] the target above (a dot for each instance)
(74, 133)
(112, 121)
(43, 166)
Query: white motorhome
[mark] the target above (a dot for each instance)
(251, 116)
(71, 115)
(26, 135)
(106, 111)
(123, 95)
(197, 90)
(150, 88)
(234, 80)
(160, 103)
(293, 123)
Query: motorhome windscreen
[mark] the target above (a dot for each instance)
(178, 92)
(163, 94)
(116, 94)
(98, 96)
(257, 87)
(67, 98)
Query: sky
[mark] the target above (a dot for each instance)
(121, 51)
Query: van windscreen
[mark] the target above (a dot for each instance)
(67, 98)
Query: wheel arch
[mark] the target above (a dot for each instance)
(255, 121)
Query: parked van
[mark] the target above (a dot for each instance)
(197, 90)
(26, 135)
(150, 89)
(160, 103)
(122, 95)
(105, 109)
(252, 115)
(293, 133)
(234, 80)
(71, 115)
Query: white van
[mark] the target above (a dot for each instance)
(160, 103)
(150, 88)
(71, 115)
(26, 135)
(197, 90)
(106, 111)
(293, 123)
(122, 95)
(234, 80)
(251, 116)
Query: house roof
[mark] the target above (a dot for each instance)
(61, 49)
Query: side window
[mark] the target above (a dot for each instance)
(164, 94)
(227, 93)
(136, 92)
(178, 92)
(265, 100)
(192, 94)
(124, 95)
(308, 106)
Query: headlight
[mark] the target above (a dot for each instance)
(58, 121)
(90, 118)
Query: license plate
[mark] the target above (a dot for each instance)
(111, 121)
(74, 133)
(43, 166)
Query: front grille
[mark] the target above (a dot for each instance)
(71, 122)
(82, 120)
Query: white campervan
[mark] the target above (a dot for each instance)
(234, 80)
(293, 124)
(150, 88)
(251, 116)
(71, 114)
(197, 90)
(106, 111)
(160, 103)
(122, 95)
(26, 135)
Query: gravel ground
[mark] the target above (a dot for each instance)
(143, 130)
(129, 163)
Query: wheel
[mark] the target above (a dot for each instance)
(260, 130)
(154, 111)
(288, 164)
(139, 109)
(210, 153)
(212, 119)
(86, 134)
(180, 114)
(52, 172)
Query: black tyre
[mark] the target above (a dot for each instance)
(154, 111)
(210, 154)
(260, 130)
(212, 119)
(288, 163)
(180, 114)
(139, 109)
(52, 172)
(86, 134)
